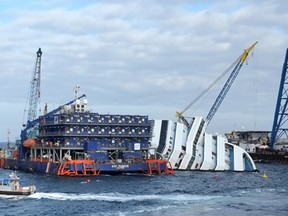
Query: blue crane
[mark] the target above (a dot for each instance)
(236, 65)
(280, 127)
(34, 94)
(33, 118)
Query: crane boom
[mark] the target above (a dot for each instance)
(34, 96)
(34, 99)
(228, 84)
(237, 66)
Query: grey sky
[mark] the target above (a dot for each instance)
(143, 57)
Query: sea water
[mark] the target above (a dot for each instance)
(184, 193)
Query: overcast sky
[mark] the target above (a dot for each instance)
(143, 57)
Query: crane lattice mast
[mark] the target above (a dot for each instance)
(280, 123)
(34, 96)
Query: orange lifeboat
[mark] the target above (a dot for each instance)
(30, 142)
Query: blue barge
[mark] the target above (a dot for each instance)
(72, 141)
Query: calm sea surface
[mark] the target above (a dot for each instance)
(185, 193)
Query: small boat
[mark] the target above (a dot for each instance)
(11, 186)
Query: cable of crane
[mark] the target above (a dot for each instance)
(212, 84)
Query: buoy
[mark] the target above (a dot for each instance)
(264, 176)
(88, 180)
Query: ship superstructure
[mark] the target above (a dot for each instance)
(77, 142)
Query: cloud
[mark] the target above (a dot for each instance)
(143, 56)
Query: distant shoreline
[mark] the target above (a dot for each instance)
(4, 144)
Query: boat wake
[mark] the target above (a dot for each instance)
(120, 197)
(12, 197)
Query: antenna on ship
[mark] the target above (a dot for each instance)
(76, 91)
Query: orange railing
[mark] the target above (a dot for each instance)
(71, 168)
(154, 166)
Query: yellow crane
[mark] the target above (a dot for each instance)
(236, 65)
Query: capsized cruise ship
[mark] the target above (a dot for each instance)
(187, 146)
(191, 148)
